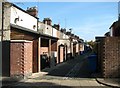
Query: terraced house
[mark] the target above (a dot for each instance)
(30, 45)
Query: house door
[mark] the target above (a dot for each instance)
(61, 56)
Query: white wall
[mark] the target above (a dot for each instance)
(67, 42)
(81, 47)
(41, 27)
(45, 29)
(63, 35)
(111, 31)
(25, 20)
(48, 30)
(54, 32)
(67, 37)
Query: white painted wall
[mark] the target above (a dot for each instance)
(54, 32)
(111, 31)
(81, 47)
(67, 37)
(67, 42)
(48, 30)
(63, 36)
(41, 27)
(25, 20)
(45, 29)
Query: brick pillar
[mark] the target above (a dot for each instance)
(72, 49)
(39, 59)
(49, 47)
(78, 48)
(57, 52)
(49, 50)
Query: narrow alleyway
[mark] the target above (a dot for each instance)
(75, 72)
(77, 68)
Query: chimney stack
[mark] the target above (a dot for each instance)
(56, 26)
(47, 21)
(32, 11)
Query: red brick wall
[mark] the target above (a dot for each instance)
(44, 49)
(17, 58)
(20, 58)
(28, 58)
(74, 49)
(54, 46)
(110, 57)
(112, 53)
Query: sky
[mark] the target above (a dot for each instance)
(87, 19)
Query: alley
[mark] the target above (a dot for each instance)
(73, 68)
(64, 47)
(73, 73)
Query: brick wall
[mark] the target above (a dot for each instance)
(20, 58)
(109, 53)
(44, 50)
(100, 54)
(54, 46)
(16, 59)
(28, 58)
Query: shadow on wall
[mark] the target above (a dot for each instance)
(0, 58)
(6, 58)
(37, 85)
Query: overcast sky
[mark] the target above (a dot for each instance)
(87, 19)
